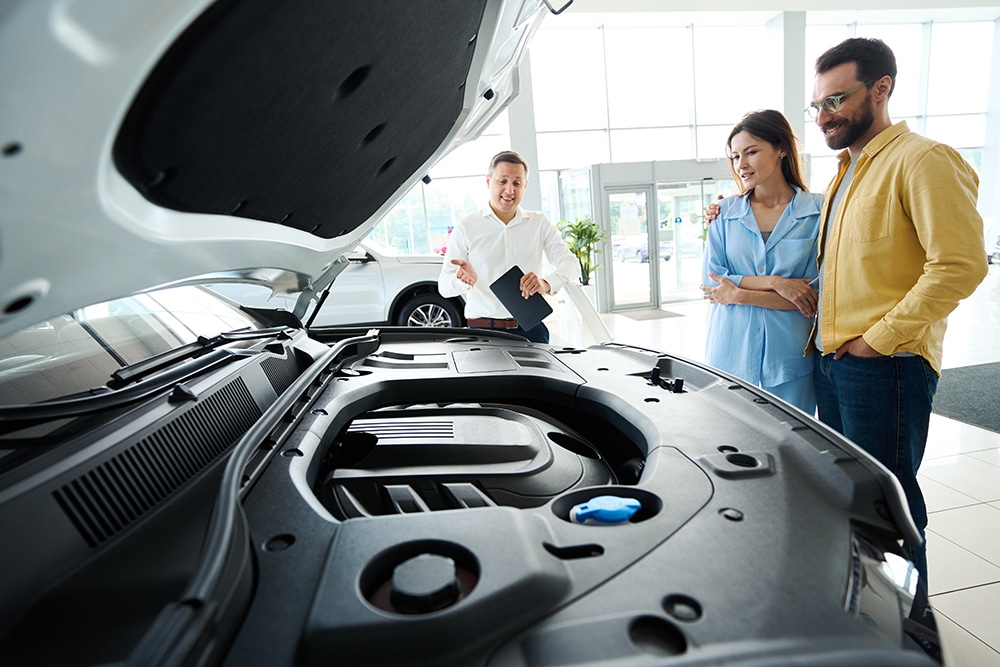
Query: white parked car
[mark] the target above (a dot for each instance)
(378, 287)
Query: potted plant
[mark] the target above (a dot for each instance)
(583, 238)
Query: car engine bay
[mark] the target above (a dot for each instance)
(395, 496)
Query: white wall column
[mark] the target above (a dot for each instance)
(521, 117)
(788, 31)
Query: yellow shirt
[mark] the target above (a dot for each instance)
(906, 245)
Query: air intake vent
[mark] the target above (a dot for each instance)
(379, 499)
(107, 499)
(280, 371)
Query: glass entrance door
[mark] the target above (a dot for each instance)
(681, 207)
(634, 270)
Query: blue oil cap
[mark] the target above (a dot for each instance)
(604, 510)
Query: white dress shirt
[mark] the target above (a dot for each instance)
(492, 247)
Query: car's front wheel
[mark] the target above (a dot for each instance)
(429, 310)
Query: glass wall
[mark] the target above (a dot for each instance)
(630, 87)
(577, 202)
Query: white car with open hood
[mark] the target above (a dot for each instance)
(186, 480)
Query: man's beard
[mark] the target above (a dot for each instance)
(853, 129)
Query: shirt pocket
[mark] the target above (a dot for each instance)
(867, 218)
(793, 258)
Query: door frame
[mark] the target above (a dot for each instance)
(652, 242)
(632, 177)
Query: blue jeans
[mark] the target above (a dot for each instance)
(883, 404)
(536, 334)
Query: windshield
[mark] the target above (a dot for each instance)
(78, 351)
(384, 250)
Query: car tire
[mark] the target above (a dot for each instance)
(429, 310)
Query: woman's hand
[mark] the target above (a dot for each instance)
(798, 292)
(726, 293)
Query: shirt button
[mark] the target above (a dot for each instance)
(760, 270)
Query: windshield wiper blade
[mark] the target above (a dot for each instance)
(198, 357)
(135, 372)
(81, 405)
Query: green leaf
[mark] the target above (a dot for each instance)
(583, 238)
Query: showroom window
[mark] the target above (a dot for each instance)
(629, 87)
(957, 96)
(568, 79)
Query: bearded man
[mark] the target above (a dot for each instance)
(901, 243)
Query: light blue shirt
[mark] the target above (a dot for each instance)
(761, 345)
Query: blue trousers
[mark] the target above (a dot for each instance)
(883, 404)
(800, 392)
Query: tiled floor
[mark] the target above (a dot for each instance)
(960, 474)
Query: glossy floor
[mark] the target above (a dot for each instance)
(960, 474)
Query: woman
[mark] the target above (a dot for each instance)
(761, 261)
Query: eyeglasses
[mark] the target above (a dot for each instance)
(831, 104)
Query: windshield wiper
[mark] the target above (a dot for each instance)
(201, 356)
(140, 369)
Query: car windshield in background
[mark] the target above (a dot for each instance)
(381, 249)
(79, 351)
(378, 287)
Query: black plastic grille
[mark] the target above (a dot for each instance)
(280, 371)
(108, 498)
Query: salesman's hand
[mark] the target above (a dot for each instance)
(465, 272)
(531, 284)
(856, 347)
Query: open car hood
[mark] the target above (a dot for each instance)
(153, 142)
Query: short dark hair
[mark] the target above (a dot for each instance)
(873, 57)
(513, 157)
(771, 126)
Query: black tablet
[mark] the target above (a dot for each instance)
(528, 312)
